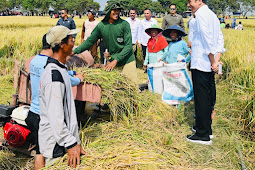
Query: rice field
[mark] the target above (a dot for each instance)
(153, 137)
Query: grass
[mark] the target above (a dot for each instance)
(154, 138)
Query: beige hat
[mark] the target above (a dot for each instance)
(58, 33)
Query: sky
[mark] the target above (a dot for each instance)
(102, 3)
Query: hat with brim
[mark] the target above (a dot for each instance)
(117, 6)
(154, 27)
(179, 30)
(58, 33)
(113, 4)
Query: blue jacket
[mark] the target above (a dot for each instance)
(175, 48)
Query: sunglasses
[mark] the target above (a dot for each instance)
(172, 8)
(62, 13)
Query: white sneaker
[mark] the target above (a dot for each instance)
(194, 130)
(200, 140)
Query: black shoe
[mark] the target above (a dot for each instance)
(145, 71)
(200, 140)
(105, 107)
(142, 87)
(194, 130)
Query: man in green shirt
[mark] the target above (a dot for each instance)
(172, 19)
(117, 37)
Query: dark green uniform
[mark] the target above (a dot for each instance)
(117, 38)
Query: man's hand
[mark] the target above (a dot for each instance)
(79, 75)
(107, 54)
(215, 66)
(189, 44)
(73, 155)
(111, 65)
(190, 51)
(144, 67)
(98, 41)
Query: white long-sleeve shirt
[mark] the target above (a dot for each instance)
(220, 43)
(191, 28)
(205, 39)
(143, 37)
(134, 25)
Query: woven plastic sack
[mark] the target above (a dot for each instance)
(177, 84)
(155, 76)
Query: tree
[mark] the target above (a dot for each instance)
(29, 5)
(181, 5)
(246, 6)
(44, 5)
(58, 4)
(14, 3)
(220, 7)
(165, 4)
(95, 6)
(157, 7)
(4, 4)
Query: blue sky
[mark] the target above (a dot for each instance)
(102, 3)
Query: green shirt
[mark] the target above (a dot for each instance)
(170, 20)
(117, 38)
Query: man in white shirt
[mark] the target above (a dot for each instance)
(190, 25)
(134, 25)
(220, 49)
(143, 37)
(206, 35)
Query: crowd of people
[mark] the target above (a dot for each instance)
(233, 25)
(52, 116)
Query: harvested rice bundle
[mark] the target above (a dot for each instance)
(117, 90)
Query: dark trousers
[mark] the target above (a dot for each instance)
(144, 51)
(205, 96)
(80, 110)
(102, 50)
(213, 93)
(32, 122)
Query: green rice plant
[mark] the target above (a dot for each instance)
(6, 89)
(239, 68)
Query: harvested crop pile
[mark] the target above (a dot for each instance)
(141, 135)
(118, 91)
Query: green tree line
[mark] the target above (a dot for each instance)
(43, 5)
(159, 6)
